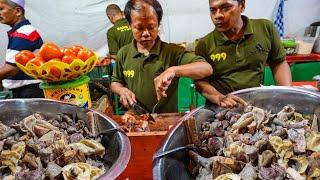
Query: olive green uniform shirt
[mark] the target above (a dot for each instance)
(239, 65)
(118, 36)
(137, 72)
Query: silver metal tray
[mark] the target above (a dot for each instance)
(272, 98)
(118, 148)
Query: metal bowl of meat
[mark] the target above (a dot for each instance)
(275, 137)
(47, 139)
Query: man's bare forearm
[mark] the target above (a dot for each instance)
(282, 74)
(8, 70)
(206, 88)
(196, 70)
(114, 57)
(116, 87)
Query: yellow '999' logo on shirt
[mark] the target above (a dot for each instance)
(124, 28)
(128, 73)
(218, 56)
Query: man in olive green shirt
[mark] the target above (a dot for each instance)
(238, 50)
(148, 69)
(120, 34)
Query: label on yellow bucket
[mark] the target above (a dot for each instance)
(74, 92)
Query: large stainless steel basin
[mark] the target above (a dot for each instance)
(273, 98)
(118, 149)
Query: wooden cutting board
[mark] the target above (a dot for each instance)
(144, 145)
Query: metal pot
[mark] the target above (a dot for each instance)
(273, 98)
(118, 149)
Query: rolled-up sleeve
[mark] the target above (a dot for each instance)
(277, 52)
(200, 49)
(188, 57)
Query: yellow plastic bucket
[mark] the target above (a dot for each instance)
(75, 92)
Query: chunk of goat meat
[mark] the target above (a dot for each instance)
(235, 118)
(215, 144)
(293, 174)
(6, 131)
(249, 172)
(33, 146)
(53, 170)
(204, 135)
(297, 125)
(286, 113)
(225, 165)
(204, 162)
(36, 119)
(266, 158)
(31, 161)
(243, 121)
(231, 114)
(225, 124)
(252, 127)
(205, 126)
(7, 134)
(92, 124)
(256, 137)
(66, 118)
(39, 131)
(314, 162)
(3, 128)
(221, 115)
(245, 138)
(76, 137)
(95, 163)
(71, 130)
(2, 144)
(251, 151)
(297, 136)
(279, 132)
(258, 116)
(215, 125)
(29, 175)
(205, 115)
(275, 172)
(219, 132)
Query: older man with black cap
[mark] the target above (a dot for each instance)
(22, 36)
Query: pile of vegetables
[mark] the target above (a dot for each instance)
(56, 64)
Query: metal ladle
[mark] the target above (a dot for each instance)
(165, 153)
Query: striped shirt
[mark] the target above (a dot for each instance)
(23, 36)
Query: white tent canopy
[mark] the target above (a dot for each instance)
(84, 21)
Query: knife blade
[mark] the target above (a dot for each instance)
(138, 109)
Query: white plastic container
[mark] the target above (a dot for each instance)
(305, 44)
(316, 47)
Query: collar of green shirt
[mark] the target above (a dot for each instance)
(155, 50)
(120, 21)
(221, 39)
